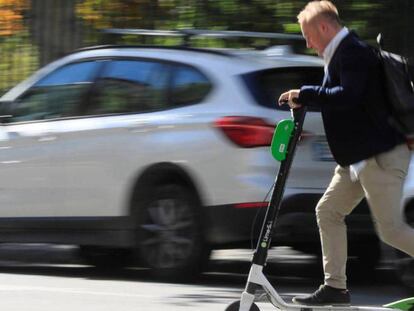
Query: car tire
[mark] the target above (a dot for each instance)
(404, 263)
(361, 258)
(364, 258)
(169, 232)
(403, 268)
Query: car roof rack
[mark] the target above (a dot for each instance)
(188, 34)
(147, 46)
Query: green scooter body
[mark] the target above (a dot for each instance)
(281, 138)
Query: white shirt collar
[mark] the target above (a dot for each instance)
(333, 45)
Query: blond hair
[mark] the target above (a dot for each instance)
(315, 9)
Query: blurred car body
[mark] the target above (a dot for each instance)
(163, 151)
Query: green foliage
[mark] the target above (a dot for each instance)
(367, 17)
(20, 54)
(19, 58)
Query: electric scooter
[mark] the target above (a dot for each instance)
(283, 147)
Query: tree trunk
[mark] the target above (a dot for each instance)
(54, 28)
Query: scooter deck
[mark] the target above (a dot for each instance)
(406, 304)
(403, 305)
(257, 278)
(339, 308)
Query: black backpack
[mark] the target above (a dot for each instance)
(399, 88)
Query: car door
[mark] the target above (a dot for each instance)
(107, 144)
(31, 151)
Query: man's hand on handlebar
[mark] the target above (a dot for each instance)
(290, 98)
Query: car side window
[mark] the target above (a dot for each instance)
(189, 86)
(130, 86)
(57, 95)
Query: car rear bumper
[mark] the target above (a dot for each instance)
(239, 225)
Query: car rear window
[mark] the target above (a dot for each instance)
(267, 85)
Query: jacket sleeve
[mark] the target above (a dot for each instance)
(354, 68)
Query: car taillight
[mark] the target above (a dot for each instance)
(251, 205)
(305, 135)
(246, 132)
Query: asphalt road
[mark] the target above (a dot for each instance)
(52, 278)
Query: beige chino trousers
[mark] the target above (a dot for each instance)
(381, 183)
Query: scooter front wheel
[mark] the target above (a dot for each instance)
(236, 305)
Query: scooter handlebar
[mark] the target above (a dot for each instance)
(298, 114)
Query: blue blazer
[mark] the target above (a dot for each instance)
(353, 105)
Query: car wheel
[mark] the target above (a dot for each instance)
(361, 258)
(404, 268)
(169, 236)
(403, 263)
(364, 258)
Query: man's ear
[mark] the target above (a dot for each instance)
(323, 26)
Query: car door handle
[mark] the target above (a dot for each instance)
(13, 135)
(47, 138)
(139, 127)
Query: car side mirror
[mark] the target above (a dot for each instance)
(5, 118)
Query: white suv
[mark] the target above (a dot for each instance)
(159, 150)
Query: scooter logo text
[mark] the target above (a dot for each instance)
(266, 237)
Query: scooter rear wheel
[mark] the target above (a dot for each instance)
(236, 305)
